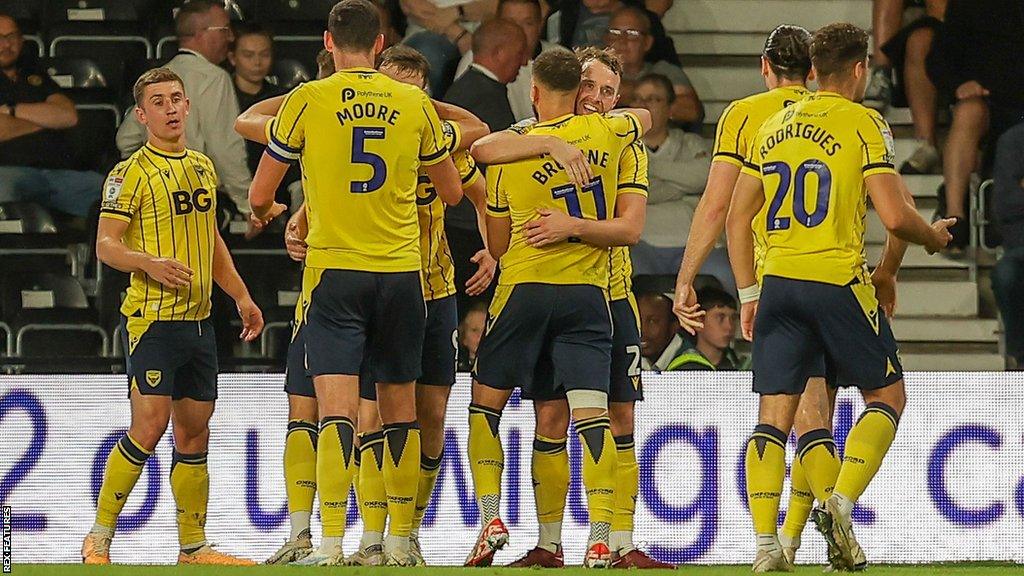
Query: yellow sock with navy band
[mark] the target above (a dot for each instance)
(486, 459)
(599, 463)
(819, 459)
(866, 446)
(124, 466)
(190, 484)
(550, 471)
(801, 500)
(765, 463)
(335, 450)
(429, 469)
(300, 474)
(627, 486)
(401, 477)
(373, 498)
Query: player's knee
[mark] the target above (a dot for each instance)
(621, 414)
(191, 440)
(148, 434)
(553, 421)
(302, 408)
(369, 417)
(893, 397)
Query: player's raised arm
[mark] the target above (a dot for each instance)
(227, 277)
(471, 128)
(252, 124)
(747, 200)
(510, 146)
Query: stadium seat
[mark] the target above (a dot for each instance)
(120, 58)
(275, 282)
(82, 80)
(288, 73)
(93, 140)
(50, 316)
(295, 17)
(7, 344)
(299, 48)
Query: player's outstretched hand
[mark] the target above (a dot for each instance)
(687, 310)
(481, 280)
(252, 319)
(885, 292)
(295, 246)
(169, 272)
(574, 161)
(256, 225)
(552, 226)
(941, 237)
(747, 313)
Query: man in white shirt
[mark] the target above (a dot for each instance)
(204, 36)
(527, 14)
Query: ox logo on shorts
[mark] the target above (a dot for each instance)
(153, 378)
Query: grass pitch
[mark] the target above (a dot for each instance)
(966, 569)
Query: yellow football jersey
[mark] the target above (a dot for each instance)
(812, 159)
(169, 201)
(518, 189)
(632, 180)
(361, 138)
(438, 269)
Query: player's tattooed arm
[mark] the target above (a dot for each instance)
(508, 146)
(227, 277)
(112, 251)
(747, 200)
(252, 124)
(708, 223)
(471, 127)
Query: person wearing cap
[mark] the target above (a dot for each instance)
(713, 349)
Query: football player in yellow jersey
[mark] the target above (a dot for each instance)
(809, 172)
(549, 320)
(361, 137)
(599, 93)
(158, 222)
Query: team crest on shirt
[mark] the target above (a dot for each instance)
(153, 378)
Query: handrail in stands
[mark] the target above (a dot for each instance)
(89, 38)
(50, 327)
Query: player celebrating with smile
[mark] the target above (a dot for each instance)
(158, 222)
(810, 170)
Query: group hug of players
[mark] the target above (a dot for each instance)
(373, 357)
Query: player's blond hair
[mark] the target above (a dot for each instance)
(153, 76)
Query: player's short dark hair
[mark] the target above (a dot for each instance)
(605, 56)
(405, 59)
(788, 51)
(836, 48)
(558, 70)
(185, 21)
(242, 29)
(661, 81)
(153, 76)
(354, 24)
(711, 297)
(324, 64)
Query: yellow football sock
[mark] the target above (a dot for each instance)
(866, 446)
(819, 459)
(599, 464)
(486, 459)
(627, 486)
(190, 484)
(429, 468)
(801, 500)
(373, 499)
(124, 466)
(300, 473)
(550, 471)
(401, 474)
(335, 449)
(766, 470)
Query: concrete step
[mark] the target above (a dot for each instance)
(972, 362)
(719, 43)
(944, 299)
(875, 232)
(929, 329)
(761, 16)
(917, 258)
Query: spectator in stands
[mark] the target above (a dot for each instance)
(583, 23)
(204, 38)
(1008, 274)
(662, 342)
(443, 35)
(678, 164)
(977, 60)
(499, 50)
(528, 15)
(658, 7)
(36, 164)
(713, 350)
(471, 329)
(886, 22)
(252, 56)
(629, 33)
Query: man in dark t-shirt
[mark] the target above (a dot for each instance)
(36, 163)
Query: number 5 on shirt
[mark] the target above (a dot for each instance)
(360, 156)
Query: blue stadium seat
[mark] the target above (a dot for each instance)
(288, 73)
